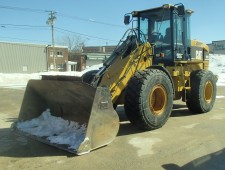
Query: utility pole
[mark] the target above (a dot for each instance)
(50, 21)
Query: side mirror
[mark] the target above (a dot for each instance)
(126, 19)
(181, 10)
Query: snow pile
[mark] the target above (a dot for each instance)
(217, 63)
(56, 129)
(217, 66)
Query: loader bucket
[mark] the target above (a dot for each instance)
(74, 101)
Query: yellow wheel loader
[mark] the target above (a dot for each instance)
(155, 63)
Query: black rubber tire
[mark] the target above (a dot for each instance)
(202, 96)
(139, 108)
(88, 76)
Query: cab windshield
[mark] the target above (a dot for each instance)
(155, 25)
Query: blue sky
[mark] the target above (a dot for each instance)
(98, 22)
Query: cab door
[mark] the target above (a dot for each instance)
(178, 37)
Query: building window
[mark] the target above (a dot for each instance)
(51, 53)
(60, 67)
(73, 67)
(59, 54)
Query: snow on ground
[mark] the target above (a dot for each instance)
(56, 129)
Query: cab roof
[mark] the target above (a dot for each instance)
(165, 6)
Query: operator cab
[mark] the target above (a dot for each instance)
(167, 29)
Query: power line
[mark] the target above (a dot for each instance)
(22, 39)
(90, 36)
(57, 29)
(61, 14)
(89, 20)
(24, 25)
(13, 26)
(23, 9)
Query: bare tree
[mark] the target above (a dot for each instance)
(74, 42)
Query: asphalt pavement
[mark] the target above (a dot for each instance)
(186, 141)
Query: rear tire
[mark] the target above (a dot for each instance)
(202, 96)
(149, 99)
(88, 76)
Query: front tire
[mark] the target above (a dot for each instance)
(149, 99)
(203, 91)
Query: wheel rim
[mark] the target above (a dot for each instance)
(158, 100)
(208, 92)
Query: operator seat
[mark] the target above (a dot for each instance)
(167, 37)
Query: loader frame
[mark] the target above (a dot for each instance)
(152, 65)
